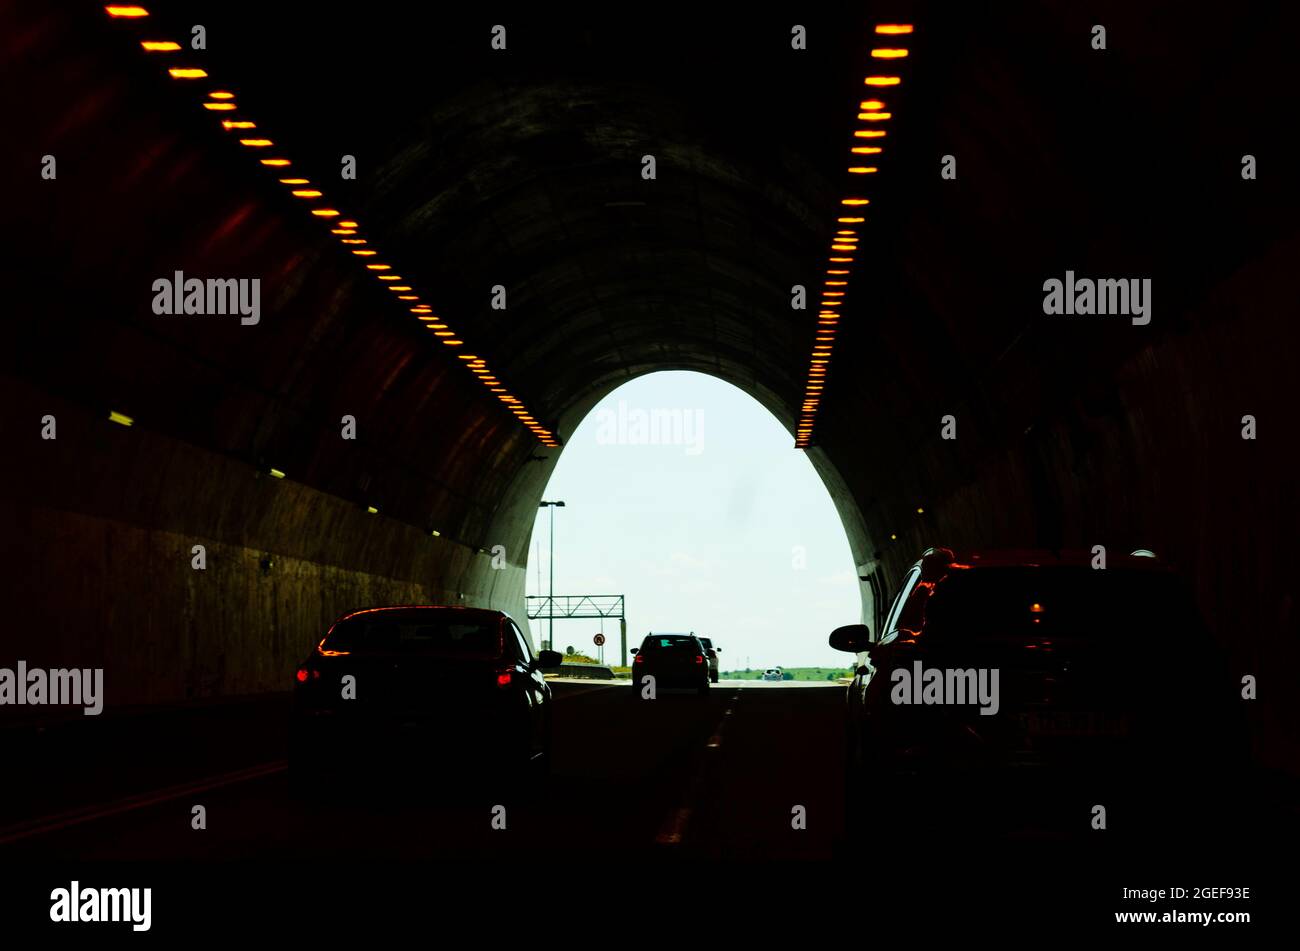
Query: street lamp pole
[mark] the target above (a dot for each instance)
(551, 613)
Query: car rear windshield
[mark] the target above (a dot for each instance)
(706, 642)
(427, 634)
(668, 642)
(1072, 602)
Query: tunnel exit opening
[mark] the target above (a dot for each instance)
(682, 492)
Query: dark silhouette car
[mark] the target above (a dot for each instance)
(449, 693)
(1108, 689)
(674, 660)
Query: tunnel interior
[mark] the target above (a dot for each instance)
(522, 169)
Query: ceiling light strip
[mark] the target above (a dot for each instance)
(225, 101)
(844, 243)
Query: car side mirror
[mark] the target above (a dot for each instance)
(853, 638)
(549, 659)
(634, 650)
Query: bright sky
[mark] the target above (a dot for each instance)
(722, 528)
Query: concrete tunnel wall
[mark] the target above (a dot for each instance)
(1131, 440)
(99, 523)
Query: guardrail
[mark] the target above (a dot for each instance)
(581, 671)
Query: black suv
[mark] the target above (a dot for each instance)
(1017, 682)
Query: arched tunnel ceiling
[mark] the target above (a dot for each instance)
(522, 168)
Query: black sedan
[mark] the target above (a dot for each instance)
(448, 693)
(673, 660)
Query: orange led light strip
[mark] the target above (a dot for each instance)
(223, 101)
(845, 241)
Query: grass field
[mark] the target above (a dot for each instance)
(798, 673)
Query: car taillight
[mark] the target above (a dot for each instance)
(503, 677)
(699, 658)
(304, 673)
(639, 658)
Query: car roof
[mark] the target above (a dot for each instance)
(939, 560)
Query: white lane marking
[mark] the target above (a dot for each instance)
(65, 820)
(673, 829)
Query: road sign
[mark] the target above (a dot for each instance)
(600, 640)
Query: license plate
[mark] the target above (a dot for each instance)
(1074, 723)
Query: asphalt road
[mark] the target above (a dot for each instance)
(708, 777)
(750, 775)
